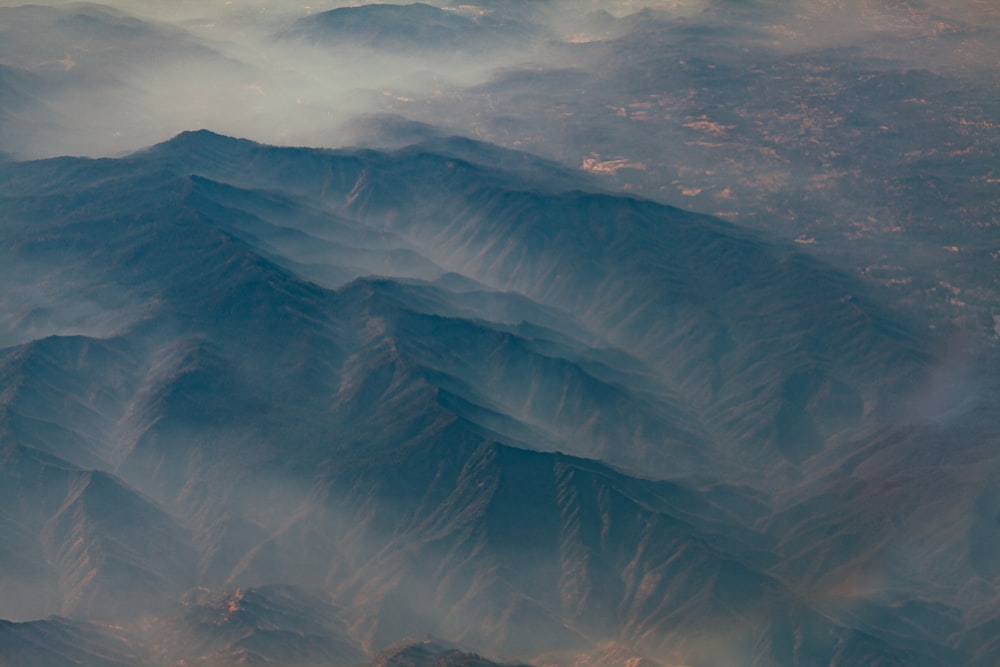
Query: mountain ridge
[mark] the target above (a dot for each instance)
(367, 437)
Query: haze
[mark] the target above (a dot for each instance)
(113, 85)
(813, 121)
(583, 333)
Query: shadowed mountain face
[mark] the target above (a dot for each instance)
(552, 419)
(61, 642)
(687, 296)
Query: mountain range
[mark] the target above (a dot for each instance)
(272, 405)
(617, 334)
(417, 27)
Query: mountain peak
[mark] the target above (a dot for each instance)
(189, 139)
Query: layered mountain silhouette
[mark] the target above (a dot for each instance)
(417, 27)
(86, 65)
(267, 405)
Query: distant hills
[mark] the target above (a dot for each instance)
(417, 26)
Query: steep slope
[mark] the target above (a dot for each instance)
(525, 539)
(59, 641)
(83, 543)
(595, 403)
(777, 351)
(372, 440)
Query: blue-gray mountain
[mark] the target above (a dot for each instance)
(269, 404)
(417, 27)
